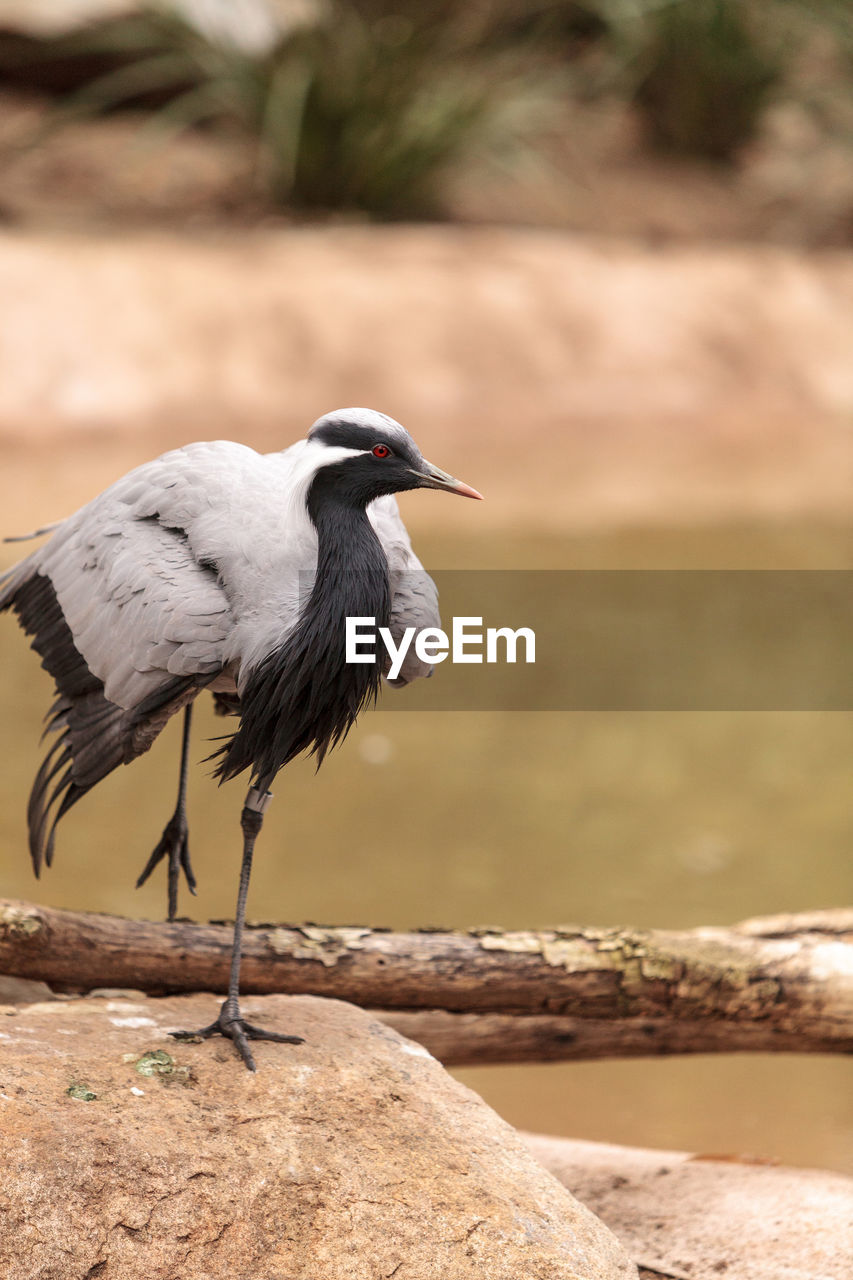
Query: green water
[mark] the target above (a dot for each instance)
(520, 820)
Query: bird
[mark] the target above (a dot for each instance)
(217, 568)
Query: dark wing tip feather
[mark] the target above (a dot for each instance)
(41, 799)
(94, 735)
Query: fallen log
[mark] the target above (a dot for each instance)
(474, 1040)
(783, 983)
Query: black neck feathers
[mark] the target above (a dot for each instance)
(304, 696)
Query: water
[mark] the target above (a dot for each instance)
(520, 820)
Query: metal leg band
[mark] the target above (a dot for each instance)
(258, 801)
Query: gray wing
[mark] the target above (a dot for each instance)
(129, 625)
(414, 596)
(139, 605)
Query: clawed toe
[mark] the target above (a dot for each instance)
(196, 1037)
(258, 1033)
(173, 845)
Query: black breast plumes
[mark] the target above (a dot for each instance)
(305, 696)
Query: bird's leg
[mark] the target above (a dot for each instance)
(230, 1022)
(174, 842)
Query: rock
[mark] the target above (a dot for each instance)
(701, 1217)
(351, 1157)
(22, 990)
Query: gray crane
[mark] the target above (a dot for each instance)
(215, 567)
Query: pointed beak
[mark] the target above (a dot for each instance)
(430, 477)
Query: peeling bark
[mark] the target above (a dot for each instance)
(784, 983)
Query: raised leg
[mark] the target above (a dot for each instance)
(230, 1022)
(174, 842)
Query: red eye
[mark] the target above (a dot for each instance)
(381, 451)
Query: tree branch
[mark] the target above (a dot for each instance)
(781, 983)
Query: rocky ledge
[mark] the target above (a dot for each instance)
(354, 1156)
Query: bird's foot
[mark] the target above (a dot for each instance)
(174, 845)
(231, 1024)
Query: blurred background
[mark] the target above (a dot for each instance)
(598, 257)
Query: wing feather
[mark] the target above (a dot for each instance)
(93, 734)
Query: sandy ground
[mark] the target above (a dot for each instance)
(576, 382)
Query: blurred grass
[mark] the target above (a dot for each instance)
(369, 106)
(707, 78)
(350, 107)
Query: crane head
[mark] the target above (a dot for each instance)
(370, 455)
